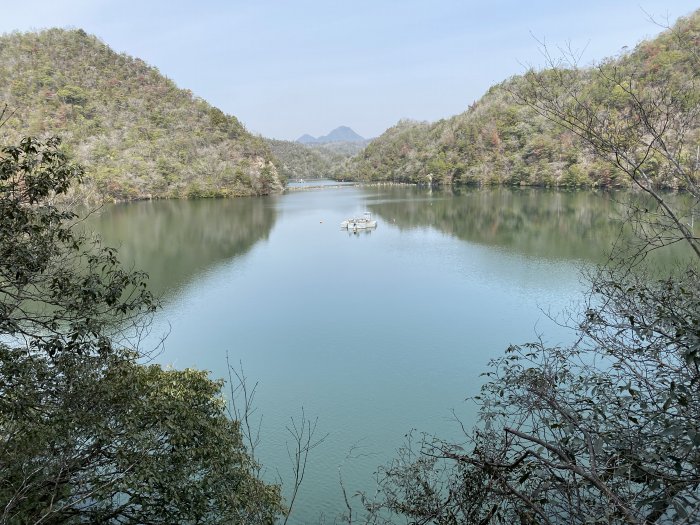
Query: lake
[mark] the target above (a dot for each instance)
(374, 333)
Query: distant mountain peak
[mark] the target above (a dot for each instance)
(307, 139)
(339, 134)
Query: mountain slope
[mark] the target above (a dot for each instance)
(499, 141)
(302, 161)
(306, 139)
(339, 134)
(137, 134)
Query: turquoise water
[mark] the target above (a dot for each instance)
(375, 333)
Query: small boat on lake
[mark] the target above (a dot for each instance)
(359, 223)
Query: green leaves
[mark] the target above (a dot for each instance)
(61, 291)
(144, 444)
(87, 434)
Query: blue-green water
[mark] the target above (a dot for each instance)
(375, 333)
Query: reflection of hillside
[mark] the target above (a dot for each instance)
(176, 240)
(550, 224)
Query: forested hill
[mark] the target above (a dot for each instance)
(299, 161)
(137, 134)
(314, 160)
(500, 140)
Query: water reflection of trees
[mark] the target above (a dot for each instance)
(534, 222)
(176, 240)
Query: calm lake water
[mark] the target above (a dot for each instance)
(375, 333)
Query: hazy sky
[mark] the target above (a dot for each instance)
(307, 66)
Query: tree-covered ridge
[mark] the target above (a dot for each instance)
(314, 160)
(136, 133)
(501, 140)
(301, 161)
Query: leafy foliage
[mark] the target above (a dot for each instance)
(136, 133)
(102, 439)
(87, 433)
(300, 161)
(59, 290)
